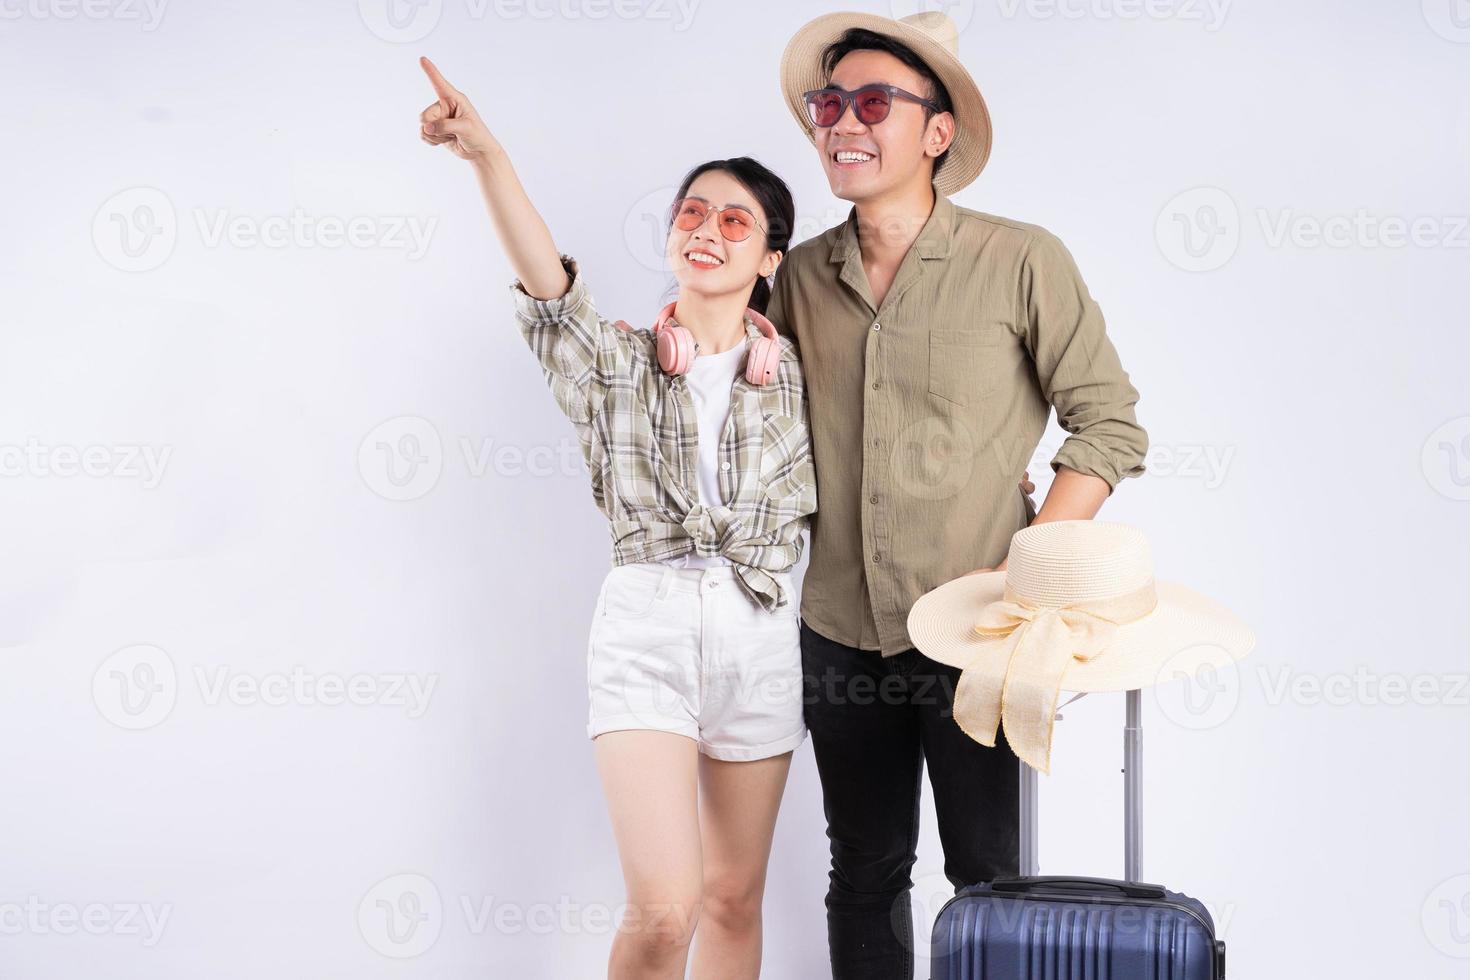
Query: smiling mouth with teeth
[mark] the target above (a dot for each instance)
(702, 258)
(852, 156)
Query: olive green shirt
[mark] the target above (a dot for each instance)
(926, 412)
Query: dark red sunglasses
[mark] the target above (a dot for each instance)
(870, 104)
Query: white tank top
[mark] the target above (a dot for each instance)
(710, 377)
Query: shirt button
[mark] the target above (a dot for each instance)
(877, 325)
(875, 386)
(724, 466)
(876, 559)
(873, 499)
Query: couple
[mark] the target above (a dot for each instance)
(933, 342)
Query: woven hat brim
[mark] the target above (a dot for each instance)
(1185, 633)
(801, 71)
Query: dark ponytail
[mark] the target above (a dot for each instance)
(775, 200)
(760, 295)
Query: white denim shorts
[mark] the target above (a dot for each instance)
(685, 650)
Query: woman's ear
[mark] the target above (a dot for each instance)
(770, 263)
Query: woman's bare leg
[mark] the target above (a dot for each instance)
(650, 780)
(737, 816)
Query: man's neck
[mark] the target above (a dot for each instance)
(888, 225)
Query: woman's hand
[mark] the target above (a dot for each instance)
(452, 121)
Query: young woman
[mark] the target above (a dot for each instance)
(695, 433)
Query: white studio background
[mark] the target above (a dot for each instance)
(297, 557)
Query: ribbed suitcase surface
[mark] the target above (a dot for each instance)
(1074, 929)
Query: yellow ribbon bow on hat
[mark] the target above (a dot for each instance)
(1039, 644)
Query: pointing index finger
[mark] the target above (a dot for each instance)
(442, 88)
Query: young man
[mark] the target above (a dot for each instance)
(935, 340)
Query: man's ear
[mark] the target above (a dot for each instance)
(939, 134)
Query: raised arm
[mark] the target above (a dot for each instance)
(453, 122)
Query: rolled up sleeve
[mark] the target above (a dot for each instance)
(1078, 367)
(576, 348)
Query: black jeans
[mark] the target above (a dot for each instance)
(873, 722)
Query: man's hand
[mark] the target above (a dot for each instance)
(1027, 487)
(452, 121)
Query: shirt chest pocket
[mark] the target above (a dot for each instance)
(961, 365)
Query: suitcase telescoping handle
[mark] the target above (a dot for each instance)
(1132, 800)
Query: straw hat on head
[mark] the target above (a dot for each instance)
(934, 38)
(1077, 609)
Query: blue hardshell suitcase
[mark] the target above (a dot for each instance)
(1033, 927)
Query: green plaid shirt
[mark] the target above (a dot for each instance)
(637, 426)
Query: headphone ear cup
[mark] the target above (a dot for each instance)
(763, 361)
(675, 349)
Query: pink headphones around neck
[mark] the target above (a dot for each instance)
(676, 347)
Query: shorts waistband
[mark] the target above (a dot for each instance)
(669, 578)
